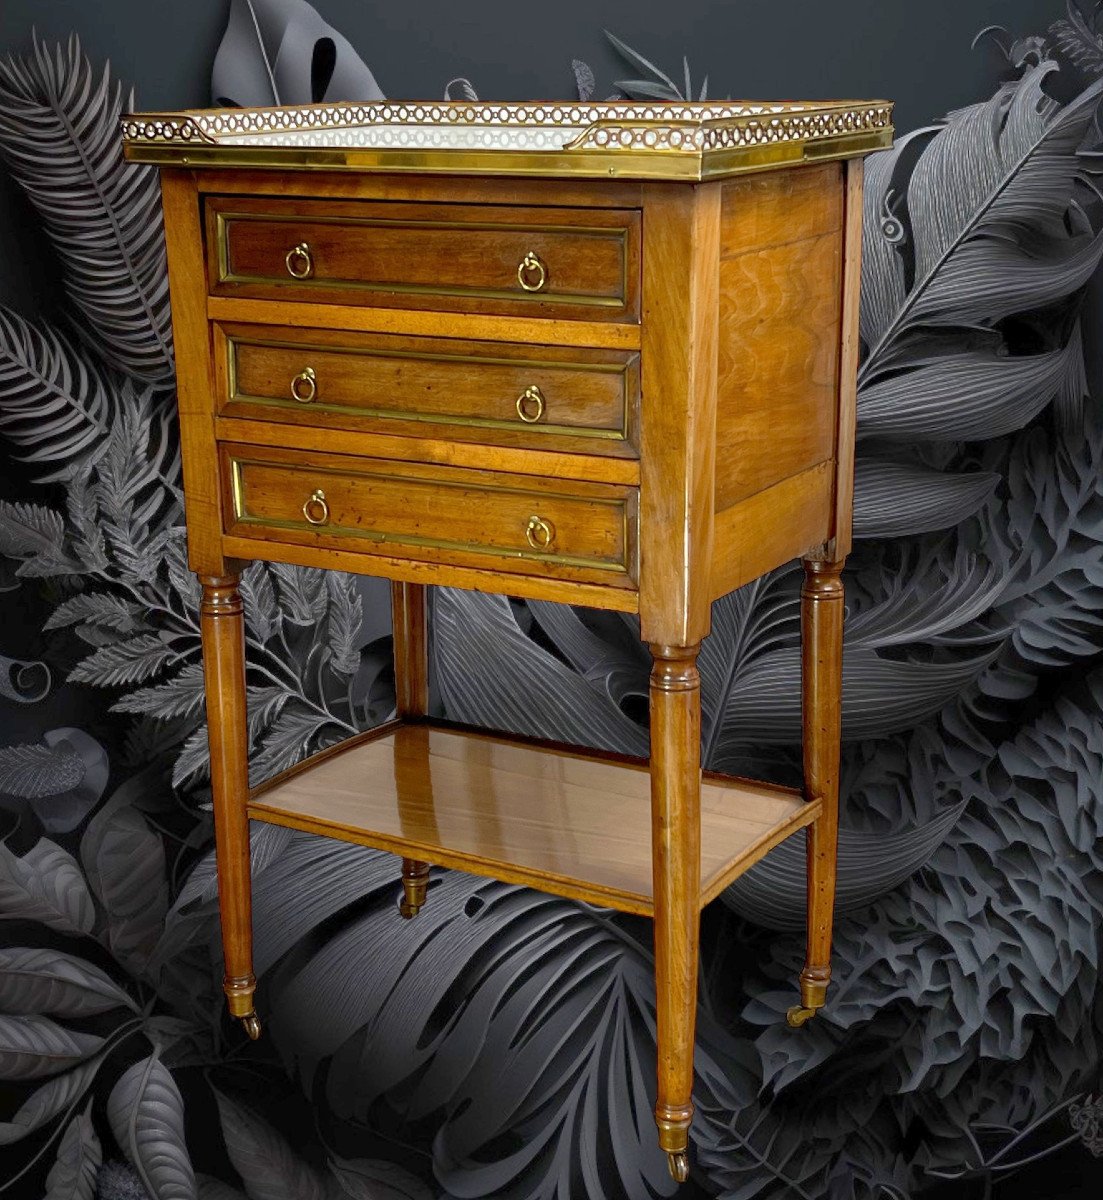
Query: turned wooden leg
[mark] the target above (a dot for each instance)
(223, 630)
(821, 601)
(676, 850)
(409, 619)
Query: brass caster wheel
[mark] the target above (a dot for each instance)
(251, 1024)
(678, 1163)
(796, 1016)
(407, 910)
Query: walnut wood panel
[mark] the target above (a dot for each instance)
(613, 193)
(780, 297)
(441, 572)
(430, 324)
(440, 256)
(520, 395)
(776, 207)
(512, 524)
(842, 529)
(194, 373)
(677, 422)
(552, 464)
(772, 527)
(563, 822)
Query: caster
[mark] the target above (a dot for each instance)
(407, 910)
(796, 1016)
(251, 1024)
(678, 1163)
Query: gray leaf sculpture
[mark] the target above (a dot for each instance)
(282, 52)
(59, 137)
(146, 1112)
(48, 981)
(73, 1175)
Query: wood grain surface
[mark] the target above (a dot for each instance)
(562, 822)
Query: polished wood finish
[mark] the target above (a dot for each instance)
(676, 841)
(564, 820)
(410, 623)
(550, 464)
(368, 319)
(460, 189)
(821, 687)
(558, 528)
(439, 573)
(439, 256)
(786, 521)
(194, 371)
(679, 357)
(223, 631)
(544, 397)
(780, 296)
(848, 366)
(695, 346)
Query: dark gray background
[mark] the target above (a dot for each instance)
(917, 55)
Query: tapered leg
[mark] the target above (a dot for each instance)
(676, 850)
(223, 630)
(409, 619)
(821, 698)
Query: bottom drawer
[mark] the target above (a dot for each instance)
(524, 524)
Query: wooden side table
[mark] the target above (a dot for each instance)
(602, 354)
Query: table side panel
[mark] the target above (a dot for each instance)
(780, 300)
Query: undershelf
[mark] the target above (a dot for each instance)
(555, 818)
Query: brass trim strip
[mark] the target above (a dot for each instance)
(380, 537)
(646, 140)
(613, 233)
(600, 432)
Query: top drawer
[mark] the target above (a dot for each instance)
(555, 262)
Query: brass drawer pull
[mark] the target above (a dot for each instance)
(304, 387)
(300, 262)
(316, 510)
(540, 533)
(530, 405)
(532, 274)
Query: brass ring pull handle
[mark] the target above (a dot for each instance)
(530, 405)
(304, 387)
(316, 510)
(540, 533)
(532, 274)
(300, 262)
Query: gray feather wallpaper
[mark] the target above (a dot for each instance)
(503, 1044)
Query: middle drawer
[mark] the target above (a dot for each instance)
(543, 397)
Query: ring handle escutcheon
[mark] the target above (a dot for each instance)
(532, 272)
(304, 387)
(539, 533)
(316, 508)
(300, 261)
(531, 405)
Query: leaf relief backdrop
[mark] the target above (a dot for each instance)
(503, 1044)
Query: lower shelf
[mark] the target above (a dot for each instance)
(554, 818)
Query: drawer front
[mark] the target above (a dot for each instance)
(490, 519)
(559, 262)
(487, 392)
